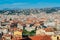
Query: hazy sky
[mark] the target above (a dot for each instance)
(29, 3)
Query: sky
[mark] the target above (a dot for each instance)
(29, 3)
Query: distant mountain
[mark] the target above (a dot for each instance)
(28, 11)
